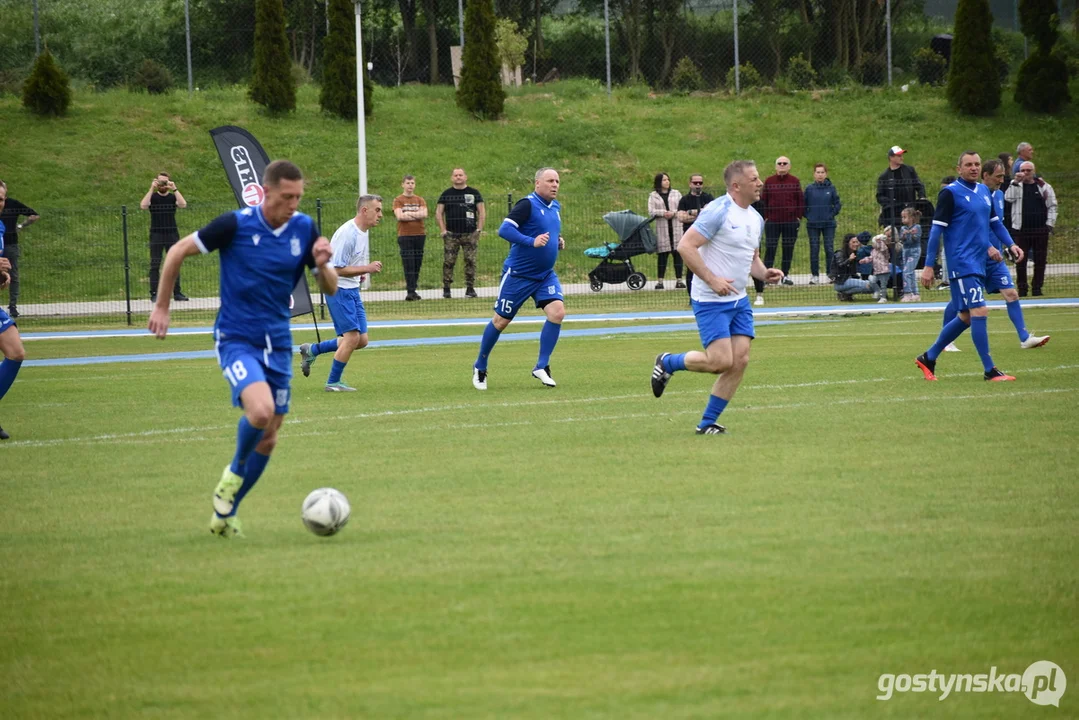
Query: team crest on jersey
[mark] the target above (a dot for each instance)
(255, 239)
(294, 245)
(550, 289)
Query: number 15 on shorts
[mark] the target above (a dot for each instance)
(505, 306)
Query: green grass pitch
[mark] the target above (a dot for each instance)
(566, 553)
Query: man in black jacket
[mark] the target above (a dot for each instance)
(10, 210)
(897, 187)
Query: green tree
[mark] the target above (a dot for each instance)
(338, 94)
(47, 90)
(1042, 83)
(271, 84)
(480, 91)
(973, 81)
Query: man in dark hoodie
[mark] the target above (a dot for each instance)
(822, 205)
(897, 187)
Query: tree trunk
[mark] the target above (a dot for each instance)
(539, 30)
(430, 10)
(408, 23)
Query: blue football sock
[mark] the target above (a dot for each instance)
(674, 363)
(247, 437)
(979, 333)
(335, 372)
(256, 463)
(948, 334)
(8, 370)
(324, 347)
(548, 339)
(949, 313)
(1016, 314)
(487, 344)
(712, 411)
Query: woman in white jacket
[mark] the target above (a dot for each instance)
(663, 205)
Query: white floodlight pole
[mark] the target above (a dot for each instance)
(361, 130)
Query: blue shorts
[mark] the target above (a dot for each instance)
(347, 311)
(243, 364)
(5, 321)
(718, 320)
(968, 292)
(515, 289)
(998, 277)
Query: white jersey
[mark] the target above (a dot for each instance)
(734, 234)
(350, 247)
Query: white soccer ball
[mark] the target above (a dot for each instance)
(325, 511)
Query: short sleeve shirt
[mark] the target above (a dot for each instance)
(460, 208)
(408, 203)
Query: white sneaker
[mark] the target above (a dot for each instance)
(543, 374)
(1034, 341)
(882, 300)
(479, 379)
(815, 280)
(950, 347)
(759, 301)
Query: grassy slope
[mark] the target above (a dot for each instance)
(584, 573)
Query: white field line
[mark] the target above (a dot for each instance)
(144, 434)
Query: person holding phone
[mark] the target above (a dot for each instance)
(161, 200)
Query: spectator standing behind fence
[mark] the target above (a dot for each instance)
(410, 210)
(845, 269)
(897, 187)
(822, 205)
(784, 206)
(910, 241)
(1033, 216)
(10, 211)
(1024, 153)
(689, 207)
(663, 205)
(460, 213)
(882, 264)
(161, 200)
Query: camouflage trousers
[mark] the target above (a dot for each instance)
(452, 243)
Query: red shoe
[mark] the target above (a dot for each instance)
(995, 375)
(927, 366)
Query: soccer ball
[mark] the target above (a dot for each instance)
(325, 511)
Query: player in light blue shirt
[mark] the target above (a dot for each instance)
(534, 231)
(997, 276)
(722, 248)
(351, 259)
(263, 251)
(965, 218)
(10, 341)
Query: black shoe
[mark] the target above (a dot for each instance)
(713, 429)
(180, 297)
(446, 293)
(14, 311)
(411, 296)
(786, 281)
(660, 377)
(927, 366)
(1022, 293)
(679, 285)
(1036, 293)
(470, 292)
(153, 297)
(4, 435)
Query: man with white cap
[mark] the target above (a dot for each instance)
(897, 187)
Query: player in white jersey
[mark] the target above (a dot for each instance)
(723, 250)
(351, 259)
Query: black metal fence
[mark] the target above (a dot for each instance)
(91, 267)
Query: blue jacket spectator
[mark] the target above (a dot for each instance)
(822, 204)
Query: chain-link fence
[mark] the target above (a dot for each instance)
(93, 266)
(664, 43)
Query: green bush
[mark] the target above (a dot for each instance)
(1042, 85)
(748, 77)
(1040, 22)
(800, 73)
(480, 91)
(835, 76)
(871, 70)
(929, 67)
(272, 85)
(47, 91)
(686, 77)
(151, 76)
(974, 77)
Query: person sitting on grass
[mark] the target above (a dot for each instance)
(845, 267)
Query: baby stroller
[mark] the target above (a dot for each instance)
(635, 237)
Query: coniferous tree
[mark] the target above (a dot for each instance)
(973, 81)
(47, 90)
(480, 91)
(1042, 84)
(338, 94)
(271, 83)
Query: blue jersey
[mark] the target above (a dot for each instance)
(531, 217)
(997, 197)
(259, 268)
(2, 229)
(965, 212)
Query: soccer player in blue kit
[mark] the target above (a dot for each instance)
(965, 217)
(10, 343)
(722, 248)
(263, 252)
(534, 230)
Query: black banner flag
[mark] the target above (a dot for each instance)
(245, 161)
